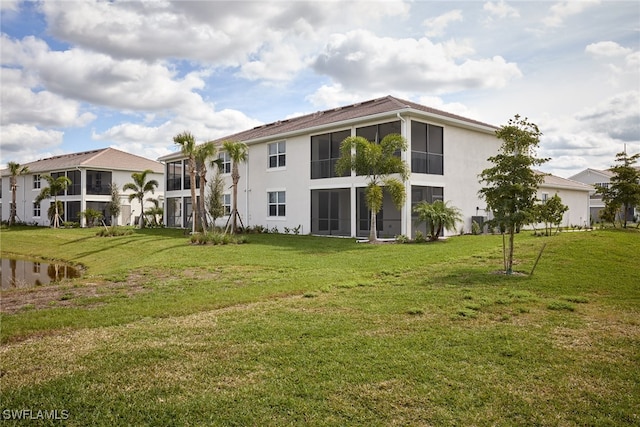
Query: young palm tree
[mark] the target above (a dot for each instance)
(56, 185)
(187, 143)
(155, 211)
(140, 186)
(15, 169)
(377, 162)
(238, 153)
(438, 216)
(203, 153)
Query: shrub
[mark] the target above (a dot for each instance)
(114, 230)
(475, 228)
(215, 238)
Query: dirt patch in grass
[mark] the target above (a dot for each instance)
(66, 294)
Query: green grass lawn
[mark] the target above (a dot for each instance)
(300, 330)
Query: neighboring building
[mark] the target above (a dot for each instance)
(600, 178)
(289, 179)
(575, 195)
(91, 174)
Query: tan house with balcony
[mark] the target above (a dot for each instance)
(91, 174)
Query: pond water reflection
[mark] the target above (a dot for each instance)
(24, 273)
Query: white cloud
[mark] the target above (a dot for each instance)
(501, 10)
(618, 117)
(279, 63)
(23, 103)
(436, 26)
(560, 11)
(607, 48)
(21, 143)
(10, 5)
(406, 64)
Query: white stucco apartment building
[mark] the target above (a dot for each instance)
(289, 179)
(91, 174)
(575, 195)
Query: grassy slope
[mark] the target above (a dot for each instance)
(295, 329)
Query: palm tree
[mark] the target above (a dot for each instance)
(15, 169)
(238, 153)
(187, 143)
(438, 216)
(140, 186)
(202, 154)
(155, 211)
(56, 186)
(377, 162)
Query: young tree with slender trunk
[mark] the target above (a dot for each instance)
(624, 187)
(203, 154)
(140, 187)
(56, 185)
(114, 206)
(214, 199)
(378, 163)
(512, 183)
(238, 153)
(187, 143)
(15, 169)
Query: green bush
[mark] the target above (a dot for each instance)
(216, 238)
(114, 230)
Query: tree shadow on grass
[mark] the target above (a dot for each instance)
(308, 244)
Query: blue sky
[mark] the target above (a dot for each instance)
(83, 75)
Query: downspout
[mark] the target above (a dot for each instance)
(405, 212)
(246, 192)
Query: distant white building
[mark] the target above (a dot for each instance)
(600, 178)
(91, 174)
(575, 195)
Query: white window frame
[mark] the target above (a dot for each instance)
(36, 181)
(277, 150)
(278, 193)
(226, 162)
(226, 202)
(545, 197)
(37, 210)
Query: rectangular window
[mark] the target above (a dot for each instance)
(277, 203)
(174, 212)
(376, 133)
(277, 154)
(174, 175)
(226, 202)
(36, 181)
(187, 175)
(427, 149)
(545, 197)
(325, 152)
(74, 189)
(36, 210)
(226, 162)
(98, 182)
(56, 175)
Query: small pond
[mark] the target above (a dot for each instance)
(25, 273)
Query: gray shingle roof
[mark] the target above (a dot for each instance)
(341, 115)
(388, 104)
(553, 181)
(105, 158)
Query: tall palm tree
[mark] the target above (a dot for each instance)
(378, 163)
(15, 169)
(203, 153)
(238, 153)
(140, 186)
(56, 185)
(187, 143)
(438, 216)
